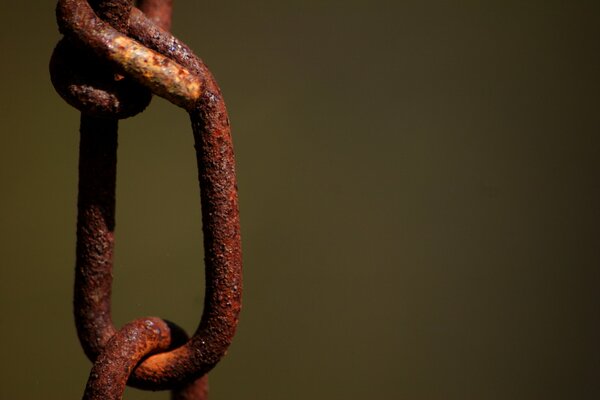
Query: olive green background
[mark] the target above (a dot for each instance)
(419, 192)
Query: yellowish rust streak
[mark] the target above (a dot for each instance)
(163, 76)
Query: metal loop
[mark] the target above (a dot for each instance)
(83, 82)
(158, 72)
(168, 68)
(125, 349)
(89, 83)
(122, 353)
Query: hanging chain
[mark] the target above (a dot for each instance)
(112, 58)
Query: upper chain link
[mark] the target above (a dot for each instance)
(130, 45)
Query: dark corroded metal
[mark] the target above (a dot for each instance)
(97, 186)
(160, 74)
(158, 11)
(95, 232)
(122, 353)
(96, 201)
(157, 60)
(95, 229)
(197, 390)
(87, 82)
(90, 84)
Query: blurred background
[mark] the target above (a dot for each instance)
(419, 192)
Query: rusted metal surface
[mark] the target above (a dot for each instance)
(157, 72)
(87, 82)
(95, 232)
(158, 11)
(122, 353)
(140, 49)
(126, 349)
(197, 390)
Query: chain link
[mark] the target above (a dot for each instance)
(112, 56)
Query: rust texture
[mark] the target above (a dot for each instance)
(197, 390)
(95, 231)
(126, 349)
(158, 11)
(159, 73)
(90, 85)
(87, 82)
(121, 354)
(131, 45)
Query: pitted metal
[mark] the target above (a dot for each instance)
(135, 53)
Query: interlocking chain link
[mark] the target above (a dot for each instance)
(112, 56)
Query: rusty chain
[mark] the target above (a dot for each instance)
(112, 58)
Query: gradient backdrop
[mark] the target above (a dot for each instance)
(420, 199)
